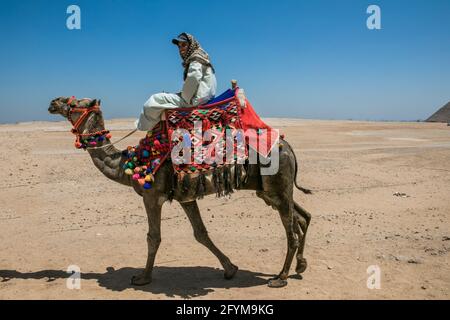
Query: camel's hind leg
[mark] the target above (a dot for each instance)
(286, 210)
(201, 235)
(302, 219)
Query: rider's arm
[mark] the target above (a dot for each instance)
(192, 81)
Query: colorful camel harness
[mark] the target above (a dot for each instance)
(85, 140)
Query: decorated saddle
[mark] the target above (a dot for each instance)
(207, 141)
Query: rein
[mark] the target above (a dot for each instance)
(88, 140)
(113, 143)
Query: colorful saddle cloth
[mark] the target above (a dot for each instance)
(184, 130)
(200, 136)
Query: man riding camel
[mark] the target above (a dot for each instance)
(199, 84)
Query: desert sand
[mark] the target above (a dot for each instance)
(381, 197)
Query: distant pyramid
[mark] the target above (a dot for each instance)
(442, 115)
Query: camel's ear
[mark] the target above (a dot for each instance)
(93, 103)
(99, 101)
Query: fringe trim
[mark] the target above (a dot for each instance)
(222, 180)
(237, 175)
(228, 186)
(218, 181)
(186, 182)
(173, 186)
(201, 186)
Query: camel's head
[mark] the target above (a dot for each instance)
(62, 105)
(84, 115)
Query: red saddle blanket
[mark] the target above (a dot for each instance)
(195, 139)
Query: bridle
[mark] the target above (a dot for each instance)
(85, 112)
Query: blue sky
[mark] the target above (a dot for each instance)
(304, 59)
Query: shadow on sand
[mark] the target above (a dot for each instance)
(181, 282)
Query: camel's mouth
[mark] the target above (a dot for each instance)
(52, 109)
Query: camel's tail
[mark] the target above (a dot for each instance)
(304, 190)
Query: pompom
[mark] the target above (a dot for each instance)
(147, 185)
(156, 162)
(136, 176)
(129, 171)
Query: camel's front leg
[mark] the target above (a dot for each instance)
(201, 235)
(153, 205)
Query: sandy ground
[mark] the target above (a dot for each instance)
(57, 210)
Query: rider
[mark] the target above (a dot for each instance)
(199, 84)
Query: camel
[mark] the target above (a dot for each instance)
(276, 190)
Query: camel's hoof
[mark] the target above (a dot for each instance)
(229, 274)
(277, 283)
(140, 280)
(302, 264)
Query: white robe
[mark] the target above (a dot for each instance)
(198, 88)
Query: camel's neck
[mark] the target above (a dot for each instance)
(109, 161)
(107, 158)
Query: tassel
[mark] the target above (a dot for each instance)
(186, 183)
(228, 187)
(237, 175)
(172, 186)
(201, 186)
(217, 181)
(245, 167)
(220, 176)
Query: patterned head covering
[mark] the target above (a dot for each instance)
(194, 52)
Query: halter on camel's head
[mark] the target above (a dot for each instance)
(77, 112)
